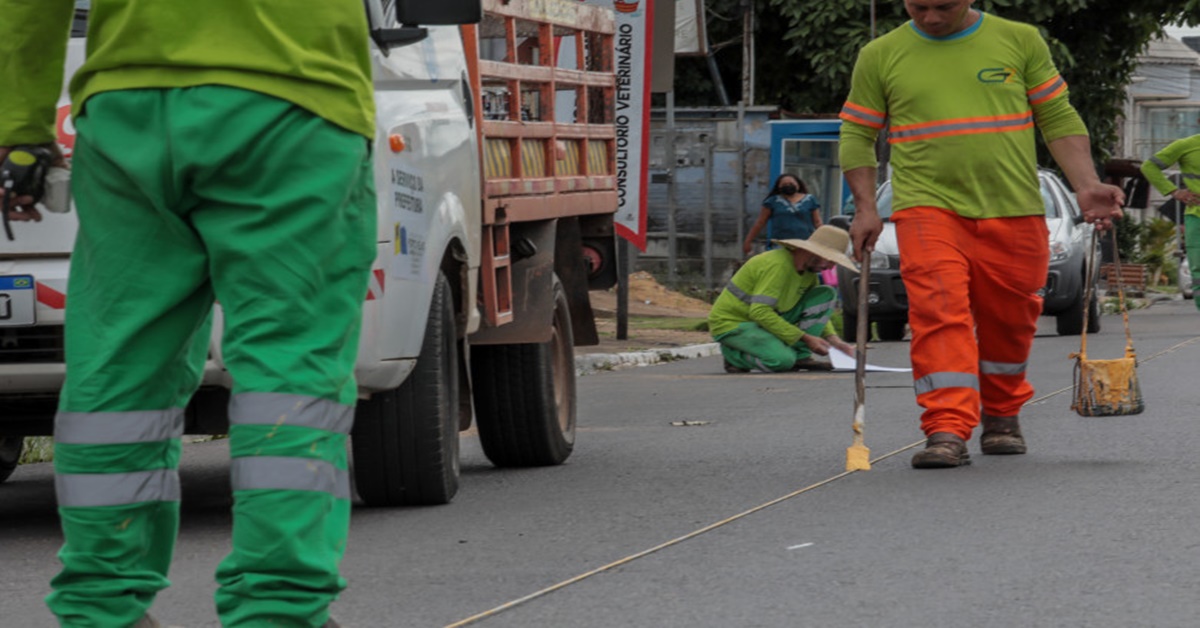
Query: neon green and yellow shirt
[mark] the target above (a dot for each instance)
(763, 288)
(312, 53)
(960, 113)
(1186, 153)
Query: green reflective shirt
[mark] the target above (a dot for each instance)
(1186, 153)
(313, 53)
(765, 286)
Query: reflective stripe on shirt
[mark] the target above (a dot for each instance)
(961, 126)
(748, 299)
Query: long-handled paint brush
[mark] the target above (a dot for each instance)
(858, 457)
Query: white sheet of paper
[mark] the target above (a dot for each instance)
(844, 362)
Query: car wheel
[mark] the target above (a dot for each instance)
(849, 327)
(10, 455)
(891, 330)
(1069, 322)
(405, 440)
(1094, 315)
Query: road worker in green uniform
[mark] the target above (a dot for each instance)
(774, 315)
(1186, 153)
(223, 153)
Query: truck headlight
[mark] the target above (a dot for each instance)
(880, 262)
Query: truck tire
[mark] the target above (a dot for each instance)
(525, 396)
(10, 455)
(405, 441)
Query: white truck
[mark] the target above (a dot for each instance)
(495, 170)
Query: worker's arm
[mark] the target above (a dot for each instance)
(1153, 170)
(33, 50)
(863, 116)
(763, 217)
(1100, 202)
(764, 297)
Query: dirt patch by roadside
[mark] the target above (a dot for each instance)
(647, 299)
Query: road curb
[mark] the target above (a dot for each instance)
(589, 363)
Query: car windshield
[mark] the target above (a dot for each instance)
(883, 200)
(1048, 201)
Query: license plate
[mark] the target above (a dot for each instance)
(18, 301)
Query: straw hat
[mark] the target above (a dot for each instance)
(828, 242)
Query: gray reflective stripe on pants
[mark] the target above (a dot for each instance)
(1001, 368)
(1162, 165)
(945, 379)
(747, 299)
(111, 428)
(292, 474)
(817, 310)
(286, 409)
(116, 489)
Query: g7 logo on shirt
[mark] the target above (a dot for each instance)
(996, 75)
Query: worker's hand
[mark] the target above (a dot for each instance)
(816, 344)
(865, 230)
(747, 246)
(841, 345)
(1101, 204)
(1187, 197)
(23, 207)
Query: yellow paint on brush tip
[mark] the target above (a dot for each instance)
(858, 458)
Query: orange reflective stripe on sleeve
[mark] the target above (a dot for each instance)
(1047, 90)
(961, 126)
(861, 115)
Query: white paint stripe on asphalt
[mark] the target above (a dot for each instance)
(801, 546)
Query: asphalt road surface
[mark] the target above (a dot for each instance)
(743, 516)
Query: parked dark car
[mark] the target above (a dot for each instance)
(1063, 294)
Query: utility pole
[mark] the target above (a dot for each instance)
(748, 52)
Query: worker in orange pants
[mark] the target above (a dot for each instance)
(973, 308)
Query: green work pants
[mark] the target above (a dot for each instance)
(186, 196)
(1191, 240)
(749, 346)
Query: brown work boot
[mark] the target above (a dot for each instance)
(1001, 436)
(811, 364)
(942, 450)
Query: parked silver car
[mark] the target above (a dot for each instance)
(1063, 294)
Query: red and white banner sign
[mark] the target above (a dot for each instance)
(635, 21)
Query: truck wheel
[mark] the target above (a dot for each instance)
(1094, 316)
(525, 396)
(405, 441)
(891, 330)
(10, 455)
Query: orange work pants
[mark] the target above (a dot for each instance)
(973, 308)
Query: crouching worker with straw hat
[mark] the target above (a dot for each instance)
(774, 314)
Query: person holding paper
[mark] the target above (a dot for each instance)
(774, 315)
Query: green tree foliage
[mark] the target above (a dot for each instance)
(805, 49)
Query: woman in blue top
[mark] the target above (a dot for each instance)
(788, 213)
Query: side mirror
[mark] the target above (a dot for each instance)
(413, 13)
(1078, 220)
(439, 13)
(841, 221)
